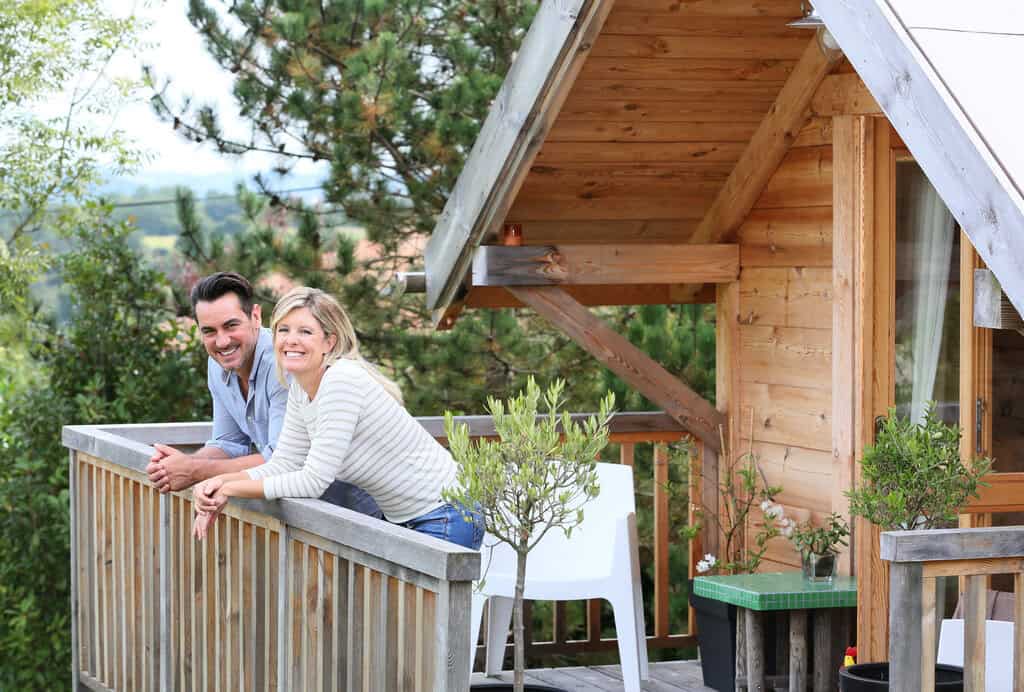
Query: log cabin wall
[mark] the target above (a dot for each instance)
(785, 334)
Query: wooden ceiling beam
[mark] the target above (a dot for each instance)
(768, 146)
(545, 265)
(635, 367)
(844, 94)
(596, 296)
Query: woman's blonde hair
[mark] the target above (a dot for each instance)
(335, 322)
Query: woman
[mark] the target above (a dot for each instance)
(345, 421)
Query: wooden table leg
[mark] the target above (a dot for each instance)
(741, 649)
(755, 651)
(798, 651)
(826, 675)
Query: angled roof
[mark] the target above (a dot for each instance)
(618, 123)
(945, 73)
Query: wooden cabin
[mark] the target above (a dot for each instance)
(831, 191)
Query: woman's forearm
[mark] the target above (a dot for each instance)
(243, 487)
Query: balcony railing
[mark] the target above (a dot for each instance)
(917, 559)
(296, 594)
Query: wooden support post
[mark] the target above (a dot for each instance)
(284, 610)
(825, 673)
(627, 361)
(976, 603)
(741, 648)
(164, 537)
(905, 626)
(661, 542)
(74, 519)
(928, 643)
(755, 651)
(797, 651)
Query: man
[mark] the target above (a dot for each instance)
(248, 401)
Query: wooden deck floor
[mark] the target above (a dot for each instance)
(671, 676)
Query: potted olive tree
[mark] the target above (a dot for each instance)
(534, 478)
(912, 478)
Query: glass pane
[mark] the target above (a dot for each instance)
(927, 299)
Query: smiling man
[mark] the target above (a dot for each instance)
(248, 400)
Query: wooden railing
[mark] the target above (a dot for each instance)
(287, 595)
(630, 432)
(917, 559)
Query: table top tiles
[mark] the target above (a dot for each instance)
(777, 591)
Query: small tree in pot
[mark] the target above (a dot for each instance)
(912, 477)
(535, 477)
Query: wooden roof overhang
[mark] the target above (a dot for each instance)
(628, 141)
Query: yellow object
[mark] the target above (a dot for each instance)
(848, 660)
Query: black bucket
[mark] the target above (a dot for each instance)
(867, 677)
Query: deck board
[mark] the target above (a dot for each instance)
(669, 676)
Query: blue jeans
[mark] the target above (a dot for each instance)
(451, 523)
(351, 497)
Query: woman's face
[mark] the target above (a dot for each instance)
(300, 342)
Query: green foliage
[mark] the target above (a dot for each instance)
(821, 539)
(540, 471)
(739, 493)
(913, 476)
(536, 477)
(122, 358)
(50, 161)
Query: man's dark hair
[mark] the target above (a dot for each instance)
(214, 286)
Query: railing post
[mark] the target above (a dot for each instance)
(452, 632)
(73, 509)
(164, 643)
(284, 622)
(905, 582)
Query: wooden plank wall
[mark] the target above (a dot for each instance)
(785, 333)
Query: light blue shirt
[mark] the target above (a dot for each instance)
(254, 423)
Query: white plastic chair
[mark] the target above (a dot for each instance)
(998, 651)
(600, 560)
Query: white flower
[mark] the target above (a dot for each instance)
(707, 563)
(765, 504)
(774, 511)
(787, 531)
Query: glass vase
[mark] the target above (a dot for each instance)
(819, 568)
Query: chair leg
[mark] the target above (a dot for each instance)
(476, 615)
(632, 644)
(498, 621)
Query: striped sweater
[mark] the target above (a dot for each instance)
(355, 432)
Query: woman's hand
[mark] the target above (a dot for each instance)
(202, 524)
(208, 497)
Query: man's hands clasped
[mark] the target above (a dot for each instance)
(170, 469)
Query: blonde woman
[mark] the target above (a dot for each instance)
(344, 421)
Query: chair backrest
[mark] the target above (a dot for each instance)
(998, 651)
(614, 500)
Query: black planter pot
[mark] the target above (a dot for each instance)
(868, 677)
(716, 628)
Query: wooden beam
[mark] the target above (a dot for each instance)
(844, 94)
(500, 265)
(634, 366)
(528, 102)
(636, 294)
(767, 147)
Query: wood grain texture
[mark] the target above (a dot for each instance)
(800, 237)
(792, 356)
(618, 294)
(786, 296)
(767, 147)
(844, 94)
(627, 361)
(802, 179)
(498, 265)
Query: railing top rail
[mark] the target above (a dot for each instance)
(123, 446)
(953, 544)
(626, 422)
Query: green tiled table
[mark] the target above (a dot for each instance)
(754, 594)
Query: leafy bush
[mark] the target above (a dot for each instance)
(913, 477)
(121, 359)
(820, 540)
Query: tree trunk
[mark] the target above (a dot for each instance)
(518, 630)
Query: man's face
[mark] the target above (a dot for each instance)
(229, 334)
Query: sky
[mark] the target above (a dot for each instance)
(175, 50)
